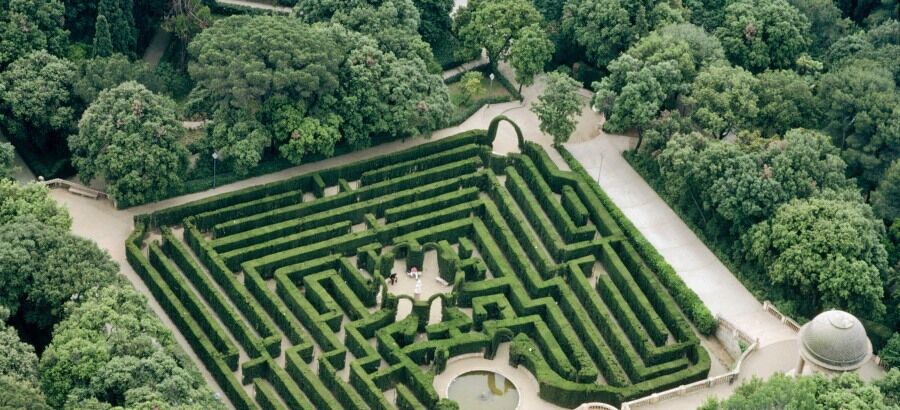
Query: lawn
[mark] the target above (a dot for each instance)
(490, 94)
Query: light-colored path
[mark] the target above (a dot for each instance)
(700, 269)
(157, 47)
(466, 66)
(261, 4)
(21, 172)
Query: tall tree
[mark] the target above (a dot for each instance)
(241, 62)
(826, 23)
(121, 24)
(131, 138)
(786, 101)
(111, 350)
(529, 53)
(761, 34)
(435, 23)
(493, 25)
(558, 106)
(186, 19)
(606, 28)
(393, 24)
(886, 199)
(406, 101)
(652, 75)
(723, 100)
(828, 251)
(102, 41)
(845, 391)
(44, 266)
(7, 156)
(861, 109)
(471, 85)
(97, 74)
(31, 199)
(31, 25)
(36, 91)
(21, 395)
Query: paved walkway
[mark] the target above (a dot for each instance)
(695, 263)
(260, 4)
(157, 47)
(466, 66)
(21, 172)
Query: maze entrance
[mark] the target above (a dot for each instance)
(283, 289)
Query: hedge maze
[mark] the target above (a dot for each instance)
(280, 289)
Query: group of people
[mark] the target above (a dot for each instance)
(412, 273)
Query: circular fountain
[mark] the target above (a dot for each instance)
(483, 389)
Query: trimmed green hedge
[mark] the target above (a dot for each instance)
(687, 300)
(523, 254)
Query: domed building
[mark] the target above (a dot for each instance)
(834, 341)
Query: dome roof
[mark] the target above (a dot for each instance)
(835, 340)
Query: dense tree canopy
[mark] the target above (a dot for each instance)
(826, 22)
(385, 95)
(495, 24)
(435, 23)
(97, 74)
(122, 30)
(653, 74)
(241, 61)
(36, 92)
(760, 34)
(394, 24)
(886, 199)
(130, 137)
(846, 391)
(186, 19)
(606, 28)
(30, 25)
(18, 359)
(21, 395)
(829, 251)
(42, 267)
(786, 101)
(742, 185)
(7, 156)
(861, 110)
(111, 349)
(31, 199)
(723, 100)
(307, 87)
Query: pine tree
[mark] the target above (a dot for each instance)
(103, 46)
(128, 17)
(121, 27)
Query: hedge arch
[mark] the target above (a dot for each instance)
(495, 123)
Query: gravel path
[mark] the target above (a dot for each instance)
(157, 47)
(261, 4)
(21, 172)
